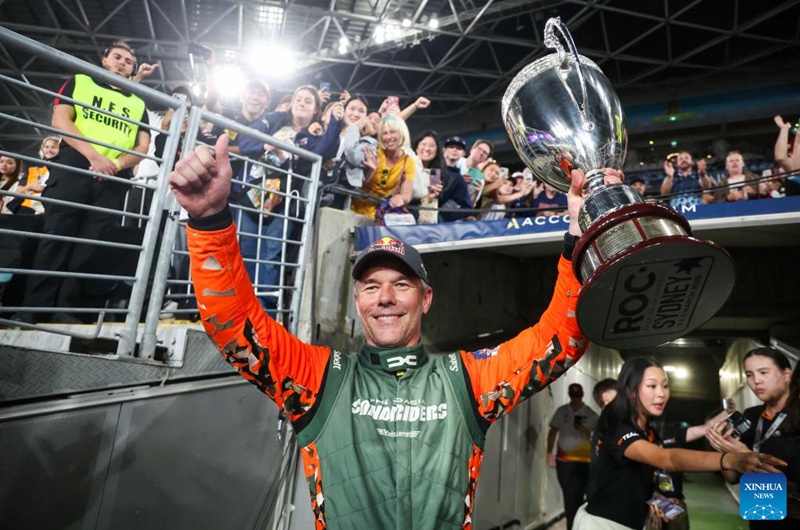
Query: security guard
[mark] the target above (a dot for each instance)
(76, 188)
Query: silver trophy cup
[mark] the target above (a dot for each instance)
(645, 279)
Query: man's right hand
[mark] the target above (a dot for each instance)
(669, 169)
(201, 182)
(781, 124)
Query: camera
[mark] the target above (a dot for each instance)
(578, 421)
(738, 423)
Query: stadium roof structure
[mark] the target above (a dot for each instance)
(459, 53)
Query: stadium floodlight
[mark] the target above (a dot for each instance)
(433, 23)
(229, 80)
(273, 61)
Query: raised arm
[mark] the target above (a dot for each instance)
(287, 370)
(782, 143)
(420, 103)
(669, 175)
(502, 377)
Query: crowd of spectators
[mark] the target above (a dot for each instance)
(373, 165)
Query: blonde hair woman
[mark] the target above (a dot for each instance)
(393, 168)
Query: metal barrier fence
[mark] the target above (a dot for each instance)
(272, 242)
(150, 260)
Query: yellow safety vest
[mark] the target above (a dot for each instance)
(95, 125)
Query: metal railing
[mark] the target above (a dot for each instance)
(293, 229)
(145, 243)
(157, 249)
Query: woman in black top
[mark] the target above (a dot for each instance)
(774, 426)
(625, 452)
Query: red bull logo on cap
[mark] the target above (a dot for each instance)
(388, 243)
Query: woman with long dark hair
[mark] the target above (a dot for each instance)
(261, 253)
(774, 426)
(626, 451)
(10, 169)
(454, 193)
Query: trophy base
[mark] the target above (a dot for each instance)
(646, 280)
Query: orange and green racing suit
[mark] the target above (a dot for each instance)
(389, 438)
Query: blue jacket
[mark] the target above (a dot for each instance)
(454, 189)
(325, 146)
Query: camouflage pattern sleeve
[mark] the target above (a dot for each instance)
(287, 370)
(503, 376)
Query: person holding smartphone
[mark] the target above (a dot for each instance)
(626, 450)
(774, 426)
(572, 425)
(448, 189)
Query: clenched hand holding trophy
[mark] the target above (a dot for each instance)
(645, 279)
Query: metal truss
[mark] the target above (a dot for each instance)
(462, 64)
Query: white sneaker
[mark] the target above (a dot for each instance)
(166, 310)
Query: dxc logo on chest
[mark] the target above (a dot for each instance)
(400, 361)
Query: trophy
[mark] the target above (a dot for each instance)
(645, 279)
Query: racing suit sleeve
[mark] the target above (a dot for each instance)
(502, 377)
(279, 364)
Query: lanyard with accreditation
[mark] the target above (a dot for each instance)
(770, 431)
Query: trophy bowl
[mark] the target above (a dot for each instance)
(646, 280)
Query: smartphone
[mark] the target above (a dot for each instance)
(528, 176)
(393, 101)
(436, 177)
(670, 509)
(738, 423)
(325, 86)
(180, 97)
(503, 172)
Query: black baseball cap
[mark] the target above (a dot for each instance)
(457, 141)
(394, 248)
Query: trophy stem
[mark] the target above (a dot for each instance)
(595, 179)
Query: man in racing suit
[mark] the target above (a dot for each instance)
(390, 438)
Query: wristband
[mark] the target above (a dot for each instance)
(117, 165)
(569, 245)
(721, 466)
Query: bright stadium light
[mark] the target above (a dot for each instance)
(433, 23)
(344, 43)
(406, 23)
(273, 61)
(229, 79)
